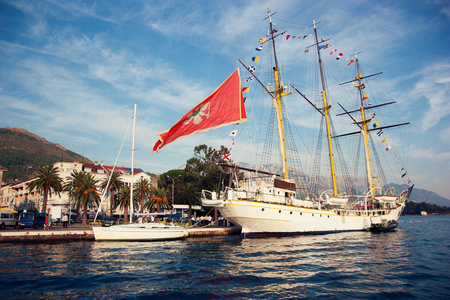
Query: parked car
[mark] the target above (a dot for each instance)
(108, 221)
(31, 219)
(7, 219)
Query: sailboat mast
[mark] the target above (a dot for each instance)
(279, 92)
(326, 109)
(364, 123)
(132, 164)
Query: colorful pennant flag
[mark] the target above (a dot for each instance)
(226, 156)
(404, 174)
(339, 56)
(259, 48)
(287, 37)
(324, 46)
(307, 50)
(352, 61)
(262, 40)
(255, 59)
(245, 89)
(366, 96)
(333, 51)
(233, 133)
(249, 79)
(252, 69)
(376, 124)
(225, 106)
(388, 148)
(379, 133)
(384, 140)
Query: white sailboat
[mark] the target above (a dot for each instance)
(138, 231)
(264, 203)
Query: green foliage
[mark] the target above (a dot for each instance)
(413, 208)
(83, 190)
(204, 166)
(47, 181)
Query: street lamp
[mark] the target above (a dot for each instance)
(173, 183)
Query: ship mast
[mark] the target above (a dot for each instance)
(279, 92)
(364, 123)
(326, 109)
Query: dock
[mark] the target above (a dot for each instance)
(84, 233)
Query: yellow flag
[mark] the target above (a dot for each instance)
(366, 96)
(262, 40)
(384, 140)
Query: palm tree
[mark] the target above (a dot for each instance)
(83, 189)
(158, 200)
(142, 190)
(191, 194)
(47, 182)
(124, 201)
(115, 184)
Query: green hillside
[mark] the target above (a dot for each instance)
(22, 152)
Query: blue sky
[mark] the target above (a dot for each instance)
(71, 70)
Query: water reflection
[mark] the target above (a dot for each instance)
(404, 263)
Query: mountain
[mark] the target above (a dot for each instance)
(417, 195)
(22, 153)
(420, 195)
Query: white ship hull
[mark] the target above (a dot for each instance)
(139, 232)
(257, 218)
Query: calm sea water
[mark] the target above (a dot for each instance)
(412, 262)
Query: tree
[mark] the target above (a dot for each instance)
(191, 195)
(123, 201)
(158, 200)
(115, 184)
(204, 165)
(83, 190)
(47, 182)
(142, 191)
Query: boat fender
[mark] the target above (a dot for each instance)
(241, 183)
(259, 181)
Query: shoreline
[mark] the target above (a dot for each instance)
(78, 232)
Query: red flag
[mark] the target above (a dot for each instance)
(225, 106)
(352, 61)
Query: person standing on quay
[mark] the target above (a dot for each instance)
(65, 220)
(46, 223)
(50, 221)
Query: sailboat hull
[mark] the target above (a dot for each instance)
(139, 232)
(258, 218)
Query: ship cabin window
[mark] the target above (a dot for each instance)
(300, 214)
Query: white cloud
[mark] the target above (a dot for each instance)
(433, 85)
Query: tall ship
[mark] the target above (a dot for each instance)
(264, 201)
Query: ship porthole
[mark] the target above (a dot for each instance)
(300, 214)
(291, 212)
(279, 211)
(262, 209)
